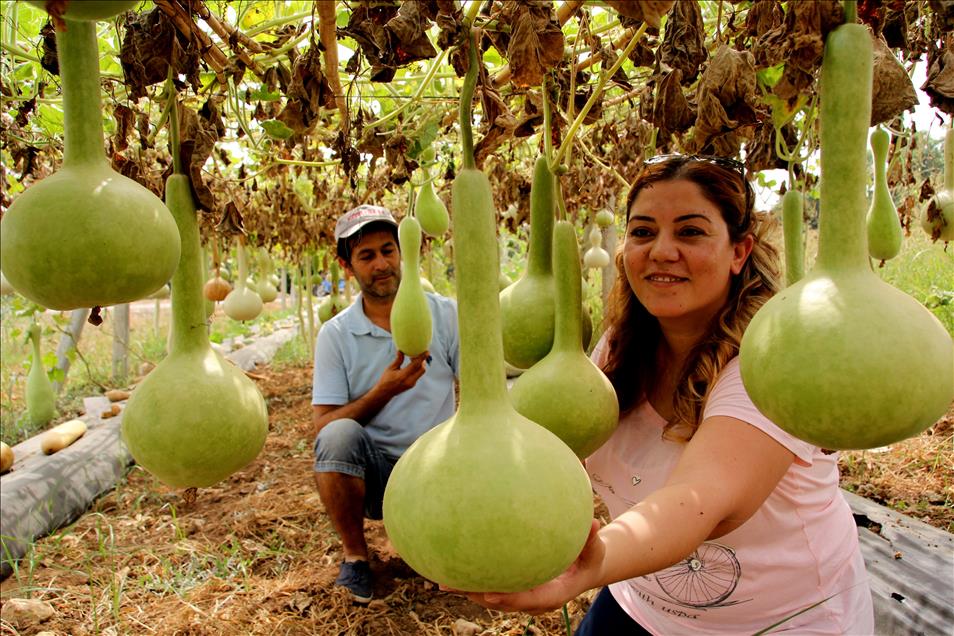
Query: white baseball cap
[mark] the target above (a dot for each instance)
(355, 219)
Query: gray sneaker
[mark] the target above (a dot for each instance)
(355, 576)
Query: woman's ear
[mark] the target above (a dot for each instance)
(741, 251)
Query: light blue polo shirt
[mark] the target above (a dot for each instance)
(352, 353)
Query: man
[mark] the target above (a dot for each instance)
(370, 403)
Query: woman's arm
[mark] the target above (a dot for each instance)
(725, 474)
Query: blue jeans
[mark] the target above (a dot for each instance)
(343, 446)
(605, 617)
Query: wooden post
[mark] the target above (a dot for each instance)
(68, 342)
(121, 343)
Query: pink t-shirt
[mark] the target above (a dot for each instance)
(800, 547)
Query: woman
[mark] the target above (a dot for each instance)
(722, 522)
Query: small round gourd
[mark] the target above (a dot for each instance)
(242, 303)
(938, 216)
(216, 289)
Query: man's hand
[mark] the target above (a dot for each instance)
(397, 380)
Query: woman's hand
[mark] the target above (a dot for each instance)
(553, 594)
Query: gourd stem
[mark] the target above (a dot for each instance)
(851, 11)
(547, 137)
(466, 104)
(540, 253)
(568, 275)
(242, 262)
(78, 54)
(846, 79)
(189, 328)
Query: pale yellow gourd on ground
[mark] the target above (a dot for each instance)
(62, 435)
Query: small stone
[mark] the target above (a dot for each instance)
(465, 628)
(26, 612)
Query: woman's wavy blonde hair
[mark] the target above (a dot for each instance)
(634, 334)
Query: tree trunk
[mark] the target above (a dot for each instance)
(121, 343)
(68, 342)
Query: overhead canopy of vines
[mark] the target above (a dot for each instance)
(295, 111)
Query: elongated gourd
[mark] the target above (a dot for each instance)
(242, 303)
(62, 435)
(566, 392)
(526, 307)
(487, 500)
(196, 418)
(883, 224)
(842, 359)
(410, 314)
(6, 457)
(40, 398)
(938, 217)
(86, 235)
(84, 10)
(793, 234)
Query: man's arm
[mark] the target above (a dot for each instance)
(393, 381)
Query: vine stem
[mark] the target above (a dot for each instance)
(547, 121)
(597, 93)
(417, 93)
(466, 105)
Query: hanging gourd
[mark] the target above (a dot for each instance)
(842, 359)
(86, 235)
(526, 307)
(242, 303)
(216, 288)
(605, 218)
(40, 398)
(566, 392)
(196, 418)
(938, 217)
(596, 257)
(882, 222)
(793, 235)
(84, 10)
(411, 312)
(268, 285)
(429, 210)
(333, 304)
(527, 516)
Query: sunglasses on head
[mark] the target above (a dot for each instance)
(733, 165)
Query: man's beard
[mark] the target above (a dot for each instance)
(371, 289)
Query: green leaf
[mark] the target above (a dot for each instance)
(262, 94)
(50, 117)
(277, 129)
(770, 76)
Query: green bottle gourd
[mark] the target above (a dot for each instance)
(196, 418)
(566, 392)
(793, 234)
(487, 500)
(85, 10)
(431, 211)
(40, 398)
(86, 236)
(938, 217)
(242, 303)
(527, 306)
(883, 224)
(333, 303)
(411, 313)
(6, 288)
(842, 359)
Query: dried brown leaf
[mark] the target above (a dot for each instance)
(939, 85)
(726, 103)
(892, 91)
(648, 11)
(536, 42)
(684, 43)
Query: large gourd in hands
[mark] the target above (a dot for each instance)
(566, 392)
(40, 398)
(527, 306)
(196, 418)
(842, 359)
(938, 217)
(86, 236)
(883, 224)
(411, 314)
(488, 500)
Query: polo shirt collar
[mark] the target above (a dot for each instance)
(358, 322)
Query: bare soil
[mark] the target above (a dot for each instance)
(257, 555)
